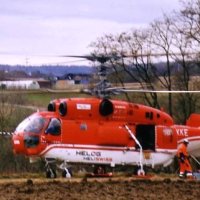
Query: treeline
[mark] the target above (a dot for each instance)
(44, 70)
(173, 40)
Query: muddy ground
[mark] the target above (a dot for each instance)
(106, 189)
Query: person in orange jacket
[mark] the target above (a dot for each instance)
(185, 167)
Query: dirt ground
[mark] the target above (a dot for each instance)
(106, 189)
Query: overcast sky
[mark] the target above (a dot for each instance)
(30, 30)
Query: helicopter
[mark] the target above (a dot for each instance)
(103, 132)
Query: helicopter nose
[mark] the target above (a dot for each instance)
(18, 144)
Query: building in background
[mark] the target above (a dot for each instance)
(20, 84)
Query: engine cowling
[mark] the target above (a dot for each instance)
(106, 107)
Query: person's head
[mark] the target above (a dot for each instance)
(186, 141)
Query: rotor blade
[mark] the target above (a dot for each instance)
(124, 89)
(104, 58)
(100, 58)
(91, 58)
(87, 91)
(162, 91)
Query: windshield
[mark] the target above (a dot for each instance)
(33, 124)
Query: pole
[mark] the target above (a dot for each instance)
(195, 159)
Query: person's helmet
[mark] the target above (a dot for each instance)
(186, 141)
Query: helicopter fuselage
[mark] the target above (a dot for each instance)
(102, 131)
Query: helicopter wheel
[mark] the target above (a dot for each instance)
(50, 173)
(141, 172)
(138, 171)
(67, 173)
(50, 168)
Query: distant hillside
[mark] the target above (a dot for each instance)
(49, 70)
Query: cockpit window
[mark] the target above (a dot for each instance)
(33, 124)
(31, 141)
(54, 127)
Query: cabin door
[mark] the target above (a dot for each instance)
(146, 136)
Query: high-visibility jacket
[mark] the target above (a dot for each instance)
(182, 151)
(184, 163)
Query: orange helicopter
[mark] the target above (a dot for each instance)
(103, 132)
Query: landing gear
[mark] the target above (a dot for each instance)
(138, 171)
(50, 173)
(67, 173)
(141, 172)
(66, 170)
(50, 170)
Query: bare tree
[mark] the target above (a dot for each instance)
(162, 38)
(185, 46)
(130, 47)
(140, 62)
(2, 75)
(190, 17)
(174, 41)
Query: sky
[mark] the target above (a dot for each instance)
(39, 31)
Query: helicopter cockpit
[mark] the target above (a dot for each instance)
(31, 127)
(32, 124)
(30, 131)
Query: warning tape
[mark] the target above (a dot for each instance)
(4, 133)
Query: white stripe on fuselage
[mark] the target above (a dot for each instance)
(95, 154)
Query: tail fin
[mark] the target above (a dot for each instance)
(193, 120)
